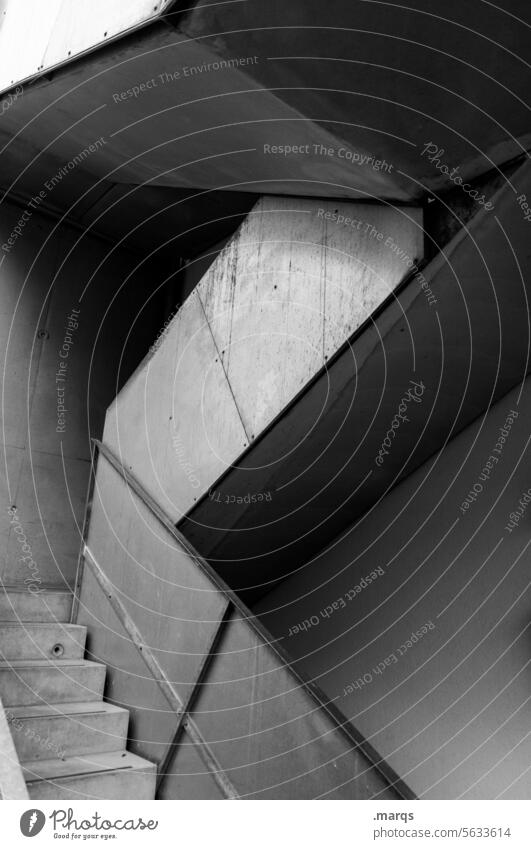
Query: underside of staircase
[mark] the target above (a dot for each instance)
(70, 742)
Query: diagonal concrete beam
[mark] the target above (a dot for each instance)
(297, 279)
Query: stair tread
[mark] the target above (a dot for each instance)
(50, 662)
(42, 641)
(11, 624)
(41, 774)
(64, 709)
(51, 604)
(12, 589)
(83, 765)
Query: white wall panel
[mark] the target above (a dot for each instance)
(38, 34)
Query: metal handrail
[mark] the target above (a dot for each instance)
(182, 710)
(342, 724)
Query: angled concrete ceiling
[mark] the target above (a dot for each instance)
(354, 78)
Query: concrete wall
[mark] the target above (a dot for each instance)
(43, 470)
(449, 708)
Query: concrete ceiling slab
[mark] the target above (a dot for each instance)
(216, 102)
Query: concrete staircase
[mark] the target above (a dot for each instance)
(71, 744)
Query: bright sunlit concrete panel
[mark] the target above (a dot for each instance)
(37, 35)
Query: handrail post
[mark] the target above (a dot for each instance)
(84, 532)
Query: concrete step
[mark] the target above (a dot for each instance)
(34, 682)
(113, 775)
(41, 640)
(66, 730)
(48, 605)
